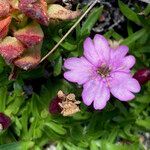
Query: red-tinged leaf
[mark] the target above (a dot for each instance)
(30, 59)
(56, 11)
(35, 9)
(30, 35)
(11, 48)
(4, 8)
(4, 25)
(14, 4)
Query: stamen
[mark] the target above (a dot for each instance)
(104, 71)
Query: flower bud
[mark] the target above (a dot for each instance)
(11, 48)
(35, 9)
(30, 35)
(142, 75)
(30, 58)
(56, 11)
(4, 8)
(4, 25)
(4, 121)
(54, 107)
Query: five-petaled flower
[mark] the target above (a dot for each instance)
(103, 70)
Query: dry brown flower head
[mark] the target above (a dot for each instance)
(69, 104)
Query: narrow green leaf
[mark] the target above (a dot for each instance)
(135, 36)
(58, 128)
(3, 98)
(59, 146)
(147, 10)
(129, 28)
(58, 66)
(66, 45)
(17, 146)
(129, 13)
(93, 146)
(144, 123)
(91, 20)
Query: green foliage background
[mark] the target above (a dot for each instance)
(117, 127)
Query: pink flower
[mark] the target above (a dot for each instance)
(103, 70)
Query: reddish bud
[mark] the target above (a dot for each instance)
(30, 35)
(35, 9)
(4, 25)
(56, 11)
(142, 75)
(4, 8)
(4, 121)
(54, 107)
(11, 48)
(30, 58)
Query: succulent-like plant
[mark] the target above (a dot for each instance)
(21, 35)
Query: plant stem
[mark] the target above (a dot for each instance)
(69, 31)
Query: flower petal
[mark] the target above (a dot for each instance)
(102, 47)
(80, 70)
(90, 52)
(95, 91)
(117, 56)
(119, 52)
(122, 94)
(122, 85)
(75, 63)
(133, 85)
(129, 61)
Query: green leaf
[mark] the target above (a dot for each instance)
(17, 146)
(93, 146)
(147, 10)
(2, 63)
(66, 45)
(91, 20)
(129, 13)
(34, 105)
(15, 105)
(144, 123)
(3, 98)
(135, 36)
(58, 128)
(121, 107)
(58, 66)
(105, 145)
(59, 146)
